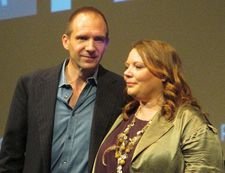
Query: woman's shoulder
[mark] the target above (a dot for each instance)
(187, 113)
(191, 119)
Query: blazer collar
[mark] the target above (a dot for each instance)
(104, 106)
(46, 88)
(154, 132)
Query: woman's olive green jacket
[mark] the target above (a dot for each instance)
(187, 144)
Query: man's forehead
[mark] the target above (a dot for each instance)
(88, 23)
(85, 19)
(88, 15)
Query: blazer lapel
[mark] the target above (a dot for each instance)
(155, 131)
(104, 108)
(117, 122)
(46, 92)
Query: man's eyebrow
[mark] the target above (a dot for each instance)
(81, 36)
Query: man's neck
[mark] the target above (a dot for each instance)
(77, 75)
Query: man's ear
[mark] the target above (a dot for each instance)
(65, 41)
(107, 41)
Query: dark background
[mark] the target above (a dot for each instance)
(196, 28)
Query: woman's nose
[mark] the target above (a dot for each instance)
(127, 72)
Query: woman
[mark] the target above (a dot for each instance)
(162, 130)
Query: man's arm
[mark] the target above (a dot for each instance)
(12, 152)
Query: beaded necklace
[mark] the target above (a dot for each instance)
(124, 144)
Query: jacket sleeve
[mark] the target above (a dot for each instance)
(14, 139)
(201, 148)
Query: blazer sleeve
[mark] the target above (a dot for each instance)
(13, 144)
(201, 146)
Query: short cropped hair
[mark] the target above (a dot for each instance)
(94, 10)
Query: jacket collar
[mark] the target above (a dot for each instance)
(154, 132)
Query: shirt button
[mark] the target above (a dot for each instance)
(66, 96)
(64, 162)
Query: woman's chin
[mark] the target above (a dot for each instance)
(131, 94)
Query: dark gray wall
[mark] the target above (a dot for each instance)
(196, 28)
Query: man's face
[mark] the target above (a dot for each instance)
(87, 41)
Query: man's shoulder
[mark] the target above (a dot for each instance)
(108, 74)
(45, 72)
(40, 75)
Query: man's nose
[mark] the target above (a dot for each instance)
(90, 45)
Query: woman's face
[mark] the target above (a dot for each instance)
(141, 83)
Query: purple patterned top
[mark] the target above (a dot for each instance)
(110, 159)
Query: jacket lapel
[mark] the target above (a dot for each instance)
(117, 122)
(46, 94)
(103, 112)
(154, 132)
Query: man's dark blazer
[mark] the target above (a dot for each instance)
(27, 141)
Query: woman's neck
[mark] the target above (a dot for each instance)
(147, 110)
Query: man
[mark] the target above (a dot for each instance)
(0, 142)
(59, 116)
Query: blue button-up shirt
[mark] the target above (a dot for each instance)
(72, 127)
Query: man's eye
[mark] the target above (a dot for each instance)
(82, 38)
(100, 39)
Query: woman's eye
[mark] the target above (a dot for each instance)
(139, 66)
(125, 67)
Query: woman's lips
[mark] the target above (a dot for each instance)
(129, 84)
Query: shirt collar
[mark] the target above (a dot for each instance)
(63, 80)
